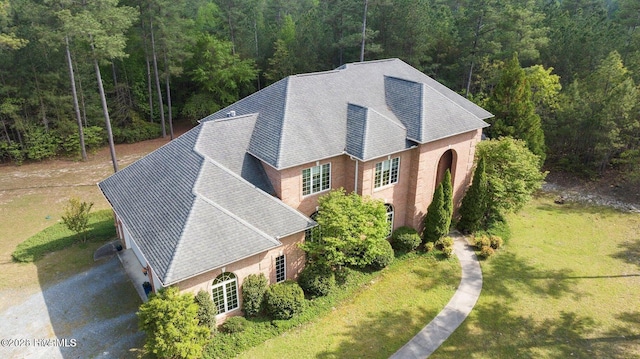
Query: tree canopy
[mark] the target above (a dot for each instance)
(182, 59)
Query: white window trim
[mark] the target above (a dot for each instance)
(311, 193)
(284, 269)
(384, 186)
(224, 295)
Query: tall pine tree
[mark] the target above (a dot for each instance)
(512, 104)
(475, 202)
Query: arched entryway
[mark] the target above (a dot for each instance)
(447, 162)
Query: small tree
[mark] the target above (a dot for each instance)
(207, 311)
(170, 322)
(447, 192)
(435, 221)
(351, 228)
(513, 174)
(474, 204)
(76, 217)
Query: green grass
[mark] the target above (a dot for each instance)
(58, 237)
(566, 285)
(371, 318)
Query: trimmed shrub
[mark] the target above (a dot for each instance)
(447, 251)
(284, 300)
(486, 252)
(481, 241)
(317, 280)
(384, 255)
(436, 224)
(254, 287)
(445, 242)
(496, 242)
(206, 311)
(446, 245)
(405, 239)
(428, 247)
(235, 325)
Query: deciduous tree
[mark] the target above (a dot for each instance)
(352, 228)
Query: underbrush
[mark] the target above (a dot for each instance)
(58, 236)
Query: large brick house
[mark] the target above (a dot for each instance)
(235, 195)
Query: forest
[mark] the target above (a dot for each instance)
(562, 75)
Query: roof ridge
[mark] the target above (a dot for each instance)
(285, 105)
(450, 100)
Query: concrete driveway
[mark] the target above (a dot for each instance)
(91, 314)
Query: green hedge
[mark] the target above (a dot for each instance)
(58, 236)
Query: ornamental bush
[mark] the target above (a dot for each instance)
(436, 224)
(383, 256)
(496, 242)
(428, 247)
(446, 245)
(284, 300)
(235, 325)
(317, 280)
(206, 311)
(486, 252)
(405, 239)
(254, 287)
(481, 241)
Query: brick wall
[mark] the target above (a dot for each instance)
(260, 263)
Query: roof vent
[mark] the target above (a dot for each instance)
(231, 114)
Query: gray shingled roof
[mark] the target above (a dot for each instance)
(304, 118)
(201, 202)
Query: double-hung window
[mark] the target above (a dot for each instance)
(387, 172)
(316, 179)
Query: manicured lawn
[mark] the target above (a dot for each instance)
(565, 286)
(378, 319)
(58, 237)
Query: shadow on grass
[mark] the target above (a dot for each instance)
(497, 333)
(379, 335)
(514, 270)
(629, 253)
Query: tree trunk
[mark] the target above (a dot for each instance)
(167, 80)
(147, 62)
(82, 104)
(83, 150)
(155, 69)
(364, 30)
(105, 111)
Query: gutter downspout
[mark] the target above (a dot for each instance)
(355, 177)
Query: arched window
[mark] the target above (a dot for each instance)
(312, 234)
(389, 218)
(225, 292)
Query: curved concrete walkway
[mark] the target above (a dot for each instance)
(454, 313)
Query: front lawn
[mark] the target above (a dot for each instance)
(565, 286)
(375, 320)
